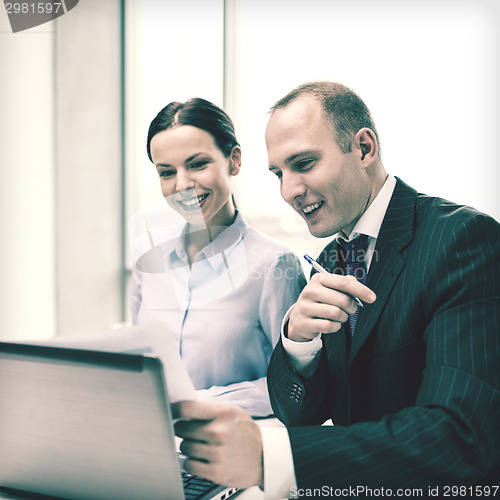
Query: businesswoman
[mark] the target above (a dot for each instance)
(222, 287)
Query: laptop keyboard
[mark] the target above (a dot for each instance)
(195, 486)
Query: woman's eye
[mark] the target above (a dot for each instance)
(199, 164)
(166, 173)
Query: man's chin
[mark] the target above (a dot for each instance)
(319, 231)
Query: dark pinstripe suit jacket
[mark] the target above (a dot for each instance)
(416, 400)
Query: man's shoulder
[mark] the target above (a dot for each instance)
(439, 212)
(435, 210)
(450, 231)
(434, 222)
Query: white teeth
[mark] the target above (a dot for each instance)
(193, 201)
(310, 208)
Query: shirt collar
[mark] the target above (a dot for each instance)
(220, 247)
(370, 222)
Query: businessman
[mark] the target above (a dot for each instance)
(410, 380)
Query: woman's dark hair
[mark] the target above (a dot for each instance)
(198, 113)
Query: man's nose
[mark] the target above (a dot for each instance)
(292, 187)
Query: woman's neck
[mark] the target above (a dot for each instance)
(198, 238)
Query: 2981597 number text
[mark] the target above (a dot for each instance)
(33, 7)
(470, 491)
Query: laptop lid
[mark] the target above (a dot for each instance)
(86, 424)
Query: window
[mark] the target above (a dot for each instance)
(428, 71)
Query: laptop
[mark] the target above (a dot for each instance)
(79, 424)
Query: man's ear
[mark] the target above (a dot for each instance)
(235, 161)
(366, 142)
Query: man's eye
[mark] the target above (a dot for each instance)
(277, 173)
(305, 164)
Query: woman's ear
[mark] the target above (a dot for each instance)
(235, 161)
(366, 142)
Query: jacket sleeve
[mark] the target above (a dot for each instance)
(298, 400)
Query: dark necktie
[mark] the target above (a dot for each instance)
(354, 253)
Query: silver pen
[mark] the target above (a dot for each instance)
(321, 269)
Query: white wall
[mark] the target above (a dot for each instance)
(88, 184)
(27, 279)
(174, 52)
(429, 71)
(61, 174)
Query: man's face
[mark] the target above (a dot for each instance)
(328, 188)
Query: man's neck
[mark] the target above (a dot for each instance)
(379, 180)
(377, 184)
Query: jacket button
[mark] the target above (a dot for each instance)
(295, 392)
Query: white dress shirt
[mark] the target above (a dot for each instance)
(225, 310)
(278, 460)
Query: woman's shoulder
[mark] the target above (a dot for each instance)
(267, 248)
(260, 238)
(164, 236)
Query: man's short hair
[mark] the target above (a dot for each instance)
(343, 107)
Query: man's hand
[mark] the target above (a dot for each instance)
(324, 304)
(222, 442)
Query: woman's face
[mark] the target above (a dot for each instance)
(195, 176)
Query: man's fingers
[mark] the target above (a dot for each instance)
(201, 451)
(325, 326)
(175, 408)
(215, 472)
(346, 284)
(192, 418)
(332, 313)
(191, 429)
(222, 442)
(196, 410)
(205, 421)
(304, 328)
(326, 303)
(197, 467)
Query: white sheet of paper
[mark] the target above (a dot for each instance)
(146, 339)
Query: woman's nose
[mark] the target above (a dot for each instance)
(184, 181)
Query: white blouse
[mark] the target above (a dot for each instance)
(225, 310)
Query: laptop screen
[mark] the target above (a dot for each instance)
(85, 424)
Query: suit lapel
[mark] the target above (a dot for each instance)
(387, 262)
